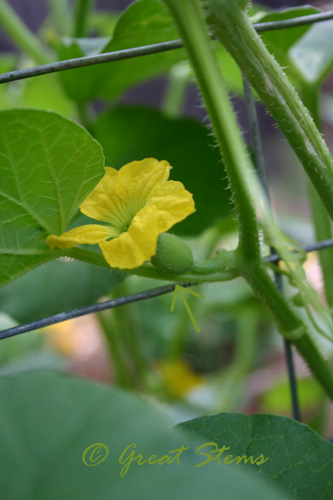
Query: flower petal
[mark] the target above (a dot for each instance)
(137, 179)
(91, 234)
(104, 204)
(174, 203)
(135, 246)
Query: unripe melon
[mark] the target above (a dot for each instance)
(172, 255)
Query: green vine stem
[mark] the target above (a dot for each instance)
(189, 19)
(220, 268)
(289, 324)
(232, 27)
(21, 35)
(62, 15)
(231, 382)
(177, 342)
(82, 10)
(113, 339)
(321, 220)
(129, 332)
(179, 78)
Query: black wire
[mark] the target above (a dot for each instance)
(82, 311)
(81, 62)
(292, 380)
(293, 23)
(146, 50)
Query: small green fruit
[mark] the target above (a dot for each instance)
(298, 300)
(172, 255)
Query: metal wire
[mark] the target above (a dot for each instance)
(82, 311)
(81, 62)
(293, 23)
(120, 55)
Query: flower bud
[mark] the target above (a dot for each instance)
(298, 300)
(172, 255)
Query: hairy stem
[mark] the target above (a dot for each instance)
(233, 28)
(321, 220)
(188, 17)
(320, 369)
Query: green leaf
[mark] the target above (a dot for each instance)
(230, 71)
(276, 399)
(21, 347)
(56, 287)
(306, 52)
(300, 461)
(72, 80)
(88, 46)
(279, 42)
(312, 55)
(37, 92)
(134, 133)
(48, 165)
(103, 22)
(47, 421)
(145, 22)
(34, 92)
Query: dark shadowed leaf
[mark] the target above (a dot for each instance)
(144, 23)
(56, 287)
(47, 421)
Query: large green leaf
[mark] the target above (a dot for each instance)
(47, 421)
(312, 55)
(300, 461)
(145, 22)
(48, 165)
(56, 287)
(134, 133)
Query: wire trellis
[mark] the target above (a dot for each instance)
(119, 55)
(155, 49)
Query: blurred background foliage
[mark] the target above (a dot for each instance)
(150, 106)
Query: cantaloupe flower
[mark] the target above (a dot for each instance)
(137, 203)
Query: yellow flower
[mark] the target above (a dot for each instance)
(179, 377)
(138, 203)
